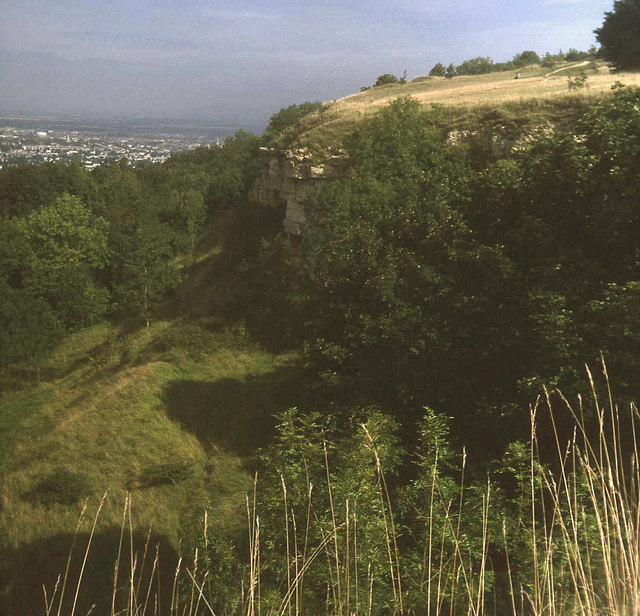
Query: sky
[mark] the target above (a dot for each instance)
(236, 62)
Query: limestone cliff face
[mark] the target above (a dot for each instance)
(292, 177)
(289, 181)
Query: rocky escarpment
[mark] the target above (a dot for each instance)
(290, 179)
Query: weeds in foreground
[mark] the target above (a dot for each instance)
(579, 520)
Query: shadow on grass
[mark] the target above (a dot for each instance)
(236, 414)
(25, 570)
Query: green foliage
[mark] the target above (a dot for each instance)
(147, 271)
(65, 247)
(289, 117)
(79, 245)
(619, 35)
(218, 560)
(233, 169)
(475, 66)
(438, 70)
(385, 79)
(457, 272)
(551, 60)
(526, 58)
(28, 327)
(28, 324)
(578, 82)
(451, 277)
(332, 509)
(328, 477)
(573, 55)
(27, 187)
(387, 249)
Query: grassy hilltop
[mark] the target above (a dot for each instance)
(537, 96)
(444, 283)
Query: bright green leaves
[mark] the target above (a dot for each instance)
(49, 262)
(323, 484)
(65, 247)
(66, 234)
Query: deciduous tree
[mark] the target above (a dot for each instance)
(619, 35)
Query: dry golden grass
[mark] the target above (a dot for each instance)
(541, 95)
(481, 90)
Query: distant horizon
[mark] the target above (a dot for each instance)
(122, 117)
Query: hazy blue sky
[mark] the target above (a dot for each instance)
(236, 62)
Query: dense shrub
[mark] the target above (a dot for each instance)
(526, 58)
(385, 79)
(438, 70)
(434, 281)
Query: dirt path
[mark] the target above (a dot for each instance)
(566, 68)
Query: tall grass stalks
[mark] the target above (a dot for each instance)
(582, 525)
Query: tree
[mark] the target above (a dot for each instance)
(619, 36)
(450, 72)
(235, 166)
(526, 58)
(66, 245)
(475, 66)
(148, 272)
(550, 60)
(28, 326)
(400, 287)
(573, 55)
(385, 79)
(438, 70)
(26, 187)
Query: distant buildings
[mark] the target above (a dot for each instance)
(21, 145)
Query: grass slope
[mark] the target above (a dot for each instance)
(167, 413)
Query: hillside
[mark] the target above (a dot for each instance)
(465, 258)
(167, 414)
(538, 93)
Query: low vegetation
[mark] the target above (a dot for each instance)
(330, 530)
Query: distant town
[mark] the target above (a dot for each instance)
(39, 141)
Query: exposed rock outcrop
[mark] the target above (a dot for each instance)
(289, 181)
